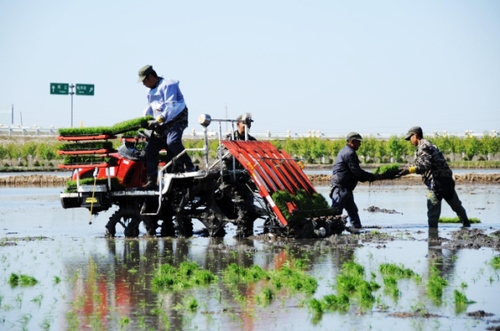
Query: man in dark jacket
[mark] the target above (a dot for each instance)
(437, 176)
(346, 174)
(243, 123)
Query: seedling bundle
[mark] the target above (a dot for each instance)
(308, 206)
(91, 146)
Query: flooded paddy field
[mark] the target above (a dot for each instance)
(68, 276)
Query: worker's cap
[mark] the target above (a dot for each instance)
(144, 72)
(245, 118)
(354, 136)
(414, 130)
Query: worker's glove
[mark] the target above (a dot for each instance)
(152, 125)
(375, 177)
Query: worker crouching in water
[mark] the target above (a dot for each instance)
(167, 106)
(346, 174)
(437, 176)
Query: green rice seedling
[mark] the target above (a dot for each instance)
(365, 295)
(57, 279)
(87, 146)
(315, 306)
(391, 286)
(191, 303)
(234, 274)
(295, 280)
(495, 262)
(461, 299)
(436, 285)
(87, 159)
(351, 283)
(387, 168)
(124, 321)
(120, 127)
(38, 300)
(13, 279)
(265, 296)
(332, 302)
(398, 272)
(187, 275)
(22, 280)
(45, 325)
(307, 205)
(457, 220)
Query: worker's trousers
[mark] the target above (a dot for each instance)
(344, 199)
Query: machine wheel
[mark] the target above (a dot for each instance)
(128, 218)
(184, 226)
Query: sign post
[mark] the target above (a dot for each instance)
(64, 89)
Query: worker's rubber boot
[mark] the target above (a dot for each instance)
(151, 185)
(465, 222)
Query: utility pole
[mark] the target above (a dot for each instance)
(72, 86)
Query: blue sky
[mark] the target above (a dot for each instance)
(330, 66)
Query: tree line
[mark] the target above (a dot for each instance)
(311, 150)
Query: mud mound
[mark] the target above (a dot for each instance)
(374, 209)
(473, 238)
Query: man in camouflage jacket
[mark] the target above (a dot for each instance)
(437, 176)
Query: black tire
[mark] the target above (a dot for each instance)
(128, 219)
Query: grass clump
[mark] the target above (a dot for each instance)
(187, 275)
(457, 220)
(307, 205)
(22, 280)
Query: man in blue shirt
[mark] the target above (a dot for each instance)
(167, 106)
(346, 174)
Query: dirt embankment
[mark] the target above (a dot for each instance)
(51, 180)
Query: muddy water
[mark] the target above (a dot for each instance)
(87, 282)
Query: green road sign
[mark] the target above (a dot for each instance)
(84, 89)
(59, 88)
